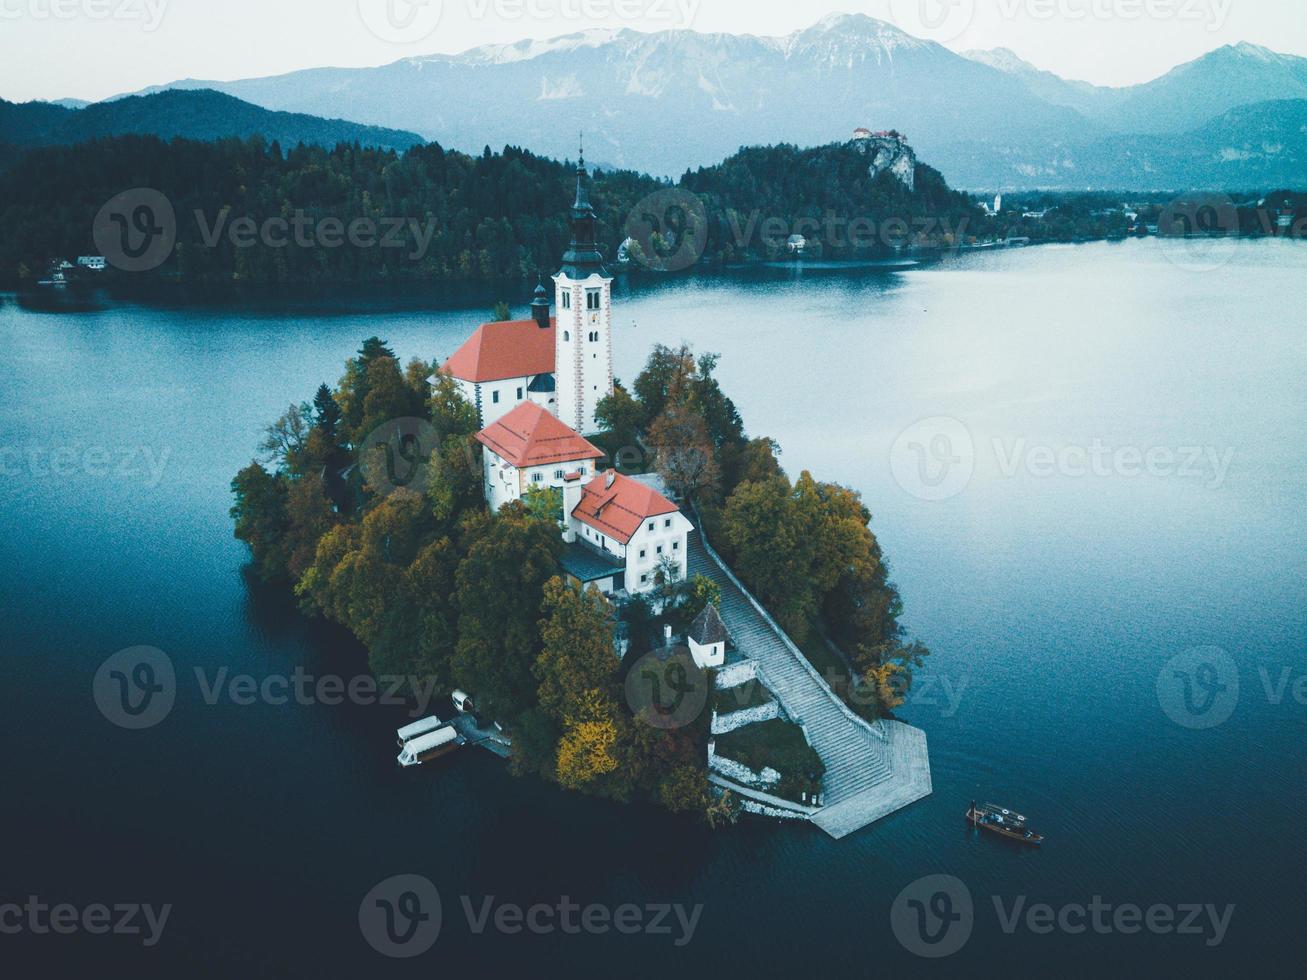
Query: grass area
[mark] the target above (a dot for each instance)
(750, 694)
(781, 745)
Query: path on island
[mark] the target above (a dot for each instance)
(871, 769)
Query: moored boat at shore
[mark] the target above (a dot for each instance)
(430, 746)
(424, 726)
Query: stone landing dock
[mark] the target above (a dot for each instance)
(872, 769)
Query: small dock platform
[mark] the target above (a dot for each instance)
(488, 737)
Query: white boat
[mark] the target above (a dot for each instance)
(430, 746)
(422, 727)
(462, 701)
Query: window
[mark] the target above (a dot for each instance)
(592, 299)
(651, 523)
(494, 397)
(643, 552)
(644, 579)
(593, 336)
(581, 470)
(519, 394)
(537, 477)
(667, 522)
(567, 300)
(567, 335)
(659, 549)
(676, 546)
(558, 474)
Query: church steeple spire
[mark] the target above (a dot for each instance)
(582, 257)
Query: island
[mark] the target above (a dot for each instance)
(631, 587)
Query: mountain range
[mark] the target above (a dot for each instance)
(200, 115)
(675, 100)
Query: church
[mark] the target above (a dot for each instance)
(536, 385)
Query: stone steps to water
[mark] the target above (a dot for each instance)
(871, 771)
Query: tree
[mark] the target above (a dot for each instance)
(451, 414)
(261, 521)
(683, 454)
(702, 592)
(621, 416)
(509, 556)
(355, 386)
(284, 440)
(309, 516)
(773, 550)
(755, 461)
(685, 790)
(577, 652)
(664, 381)
(585, 752)
(389, 397)
(502, 312)
(327, 412)
(545, 503)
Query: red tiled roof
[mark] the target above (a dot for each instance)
(530, 436)
(619, 510)
(506, 349)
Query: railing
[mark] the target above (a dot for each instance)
(785, 637)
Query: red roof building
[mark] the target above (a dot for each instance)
(529, 436)
(616, 506)
(503, 350)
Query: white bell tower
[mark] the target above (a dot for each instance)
(583, 339)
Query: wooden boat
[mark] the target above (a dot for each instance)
(1003, 822)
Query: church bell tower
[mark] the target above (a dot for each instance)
(583, 340)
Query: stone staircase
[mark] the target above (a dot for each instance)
(871, 769)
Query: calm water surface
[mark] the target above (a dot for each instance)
(1051, 603)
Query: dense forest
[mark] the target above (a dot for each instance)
(494, 215)
(438, 214)
(445, 594)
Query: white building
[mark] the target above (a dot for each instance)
(565, 363)
(529, 449)
(619, 530)
(95, 263)
(583, 362)
(507, 363)
(707, 638)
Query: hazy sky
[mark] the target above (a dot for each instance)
(94, 48)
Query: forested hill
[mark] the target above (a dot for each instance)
(828, 194)
(200, 115)
(452, 215)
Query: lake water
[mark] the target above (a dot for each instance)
(1053, 595)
